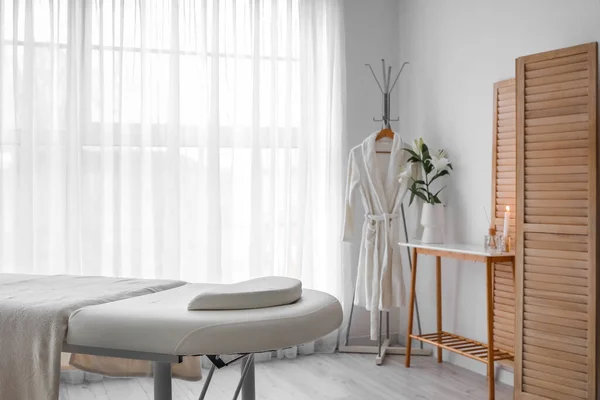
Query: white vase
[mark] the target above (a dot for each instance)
(433, 221)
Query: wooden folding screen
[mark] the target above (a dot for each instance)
(556, 225)
(504, 189)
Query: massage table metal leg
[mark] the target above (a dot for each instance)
(207, 382)
(162, 381)
(247, 379)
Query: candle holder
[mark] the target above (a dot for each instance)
(503, 243)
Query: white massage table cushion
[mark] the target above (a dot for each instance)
(161, 323)
(264, 292)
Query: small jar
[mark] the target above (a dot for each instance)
(491, 242)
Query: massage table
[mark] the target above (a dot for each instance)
(241, 322)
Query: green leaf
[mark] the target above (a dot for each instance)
(414, 159)
(427, 167)
(420, 182)
(450, 166)
(425, 151)
(412, 197)
(412, 153)
(421, 196)
(436, 200)
(438, 192)
(439, 174)
(426, 158)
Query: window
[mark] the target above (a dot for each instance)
(163, 138)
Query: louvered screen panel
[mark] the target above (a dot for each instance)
(556, 217)
(504, 194)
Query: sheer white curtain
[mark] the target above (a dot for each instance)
(196, 140)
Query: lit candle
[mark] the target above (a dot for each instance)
(506, 219)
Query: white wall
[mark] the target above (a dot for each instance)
(371, 34)
(457, 50)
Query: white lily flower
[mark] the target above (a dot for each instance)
(439, 162)
(417, 146)
(404, 173)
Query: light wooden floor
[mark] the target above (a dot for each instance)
(326, 377)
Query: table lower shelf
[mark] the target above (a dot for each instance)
(463, 346)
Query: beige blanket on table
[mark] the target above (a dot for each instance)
(34, 314)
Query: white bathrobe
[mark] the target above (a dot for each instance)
(380, 281)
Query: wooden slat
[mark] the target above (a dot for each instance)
(563, 94)
(557, 103)
(562, 355)
(549, 62)
(557, 288)
(558, 229)
(557, 185)
(555, 87)
(549, 162)
(555, 245)
(555, 390)
(569, 212)
(556, 371)
(554, 238)
(565, 255)
(553, 112)
(536, 393)
(571, 169)
(559, 178)
(554, 312)
(506, 103)
(507, 130)
(564, 77)
(558, 145)
(562, 119)
(550, 270)
(541, 277)
(578, 66)
(559, 363)
(564, 153)
(563, 330)
(565, 305)
(553, 262)
(555, 137)
(561, 345)
(506, 96)
(557, 194)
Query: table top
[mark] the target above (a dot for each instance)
(472, 249)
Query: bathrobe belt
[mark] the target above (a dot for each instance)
(381, 217)
(384, 217)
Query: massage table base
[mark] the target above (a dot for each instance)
(162, 370)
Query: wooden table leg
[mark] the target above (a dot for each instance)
(411, 307)
(490, 327)
(438, 273)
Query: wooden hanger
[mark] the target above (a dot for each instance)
(385, 133)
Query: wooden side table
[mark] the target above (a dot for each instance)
(441, 339)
